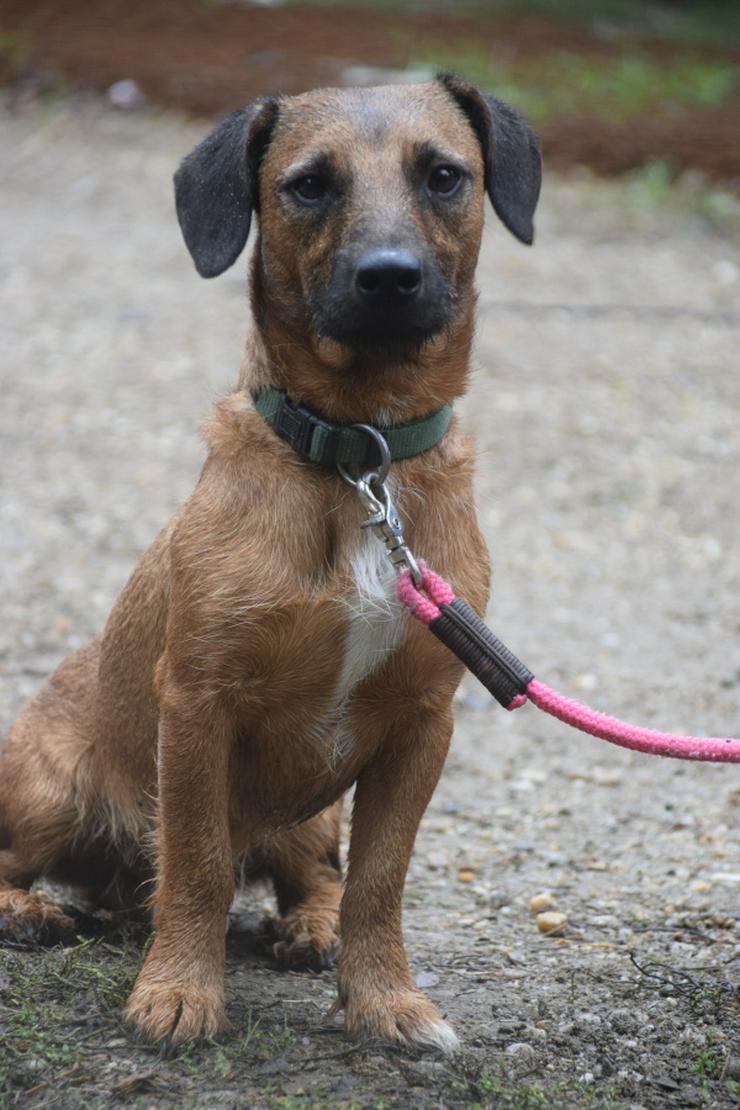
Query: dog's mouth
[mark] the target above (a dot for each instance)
(383, 300)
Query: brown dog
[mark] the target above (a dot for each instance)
(257, 664)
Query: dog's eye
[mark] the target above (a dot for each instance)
(309, 188)
(444, 179)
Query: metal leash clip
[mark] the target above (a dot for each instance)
(383, 516)
(386, 523)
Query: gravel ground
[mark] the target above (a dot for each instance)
(606, 406)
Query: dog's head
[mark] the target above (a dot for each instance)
(370, 204)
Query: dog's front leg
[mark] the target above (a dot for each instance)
(376, 990)
(179, 994)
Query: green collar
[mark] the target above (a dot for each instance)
(328, 444)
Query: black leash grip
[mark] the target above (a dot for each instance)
(465, 634)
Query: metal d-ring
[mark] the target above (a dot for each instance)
(383, 517)
(379, 473)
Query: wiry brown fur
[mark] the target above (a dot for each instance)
(197, 735)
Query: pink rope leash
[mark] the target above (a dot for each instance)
(712, 749)
(436, 606)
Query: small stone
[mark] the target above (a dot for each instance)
(665, 1081)
(507, 1027)
(276, 1066)
(125, 94)
(426, 979)
(541, 902)
(722, 921)
(496, 899)
(732, 1068)
(347, 1083)
(605, 921)
(551, 922)
(607, 776)
(623, 1020)
(430, 1069)
(465, 875)
(520, 1057)
(520, 1049)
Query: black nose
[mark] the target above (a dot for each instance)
(388, 275)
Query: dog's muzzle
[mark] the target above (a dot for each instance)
(383, 298)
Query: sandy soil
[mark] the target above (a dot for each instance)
(606, 405)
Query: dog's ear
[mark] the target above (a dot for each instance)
(511, 154)
(217, 186)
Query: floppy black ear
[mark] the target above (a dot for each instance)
(511, 155)
(216, 187)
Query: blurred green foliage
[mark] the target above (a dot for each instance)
(693, 21)
(709, 21)
(14, 48)
(614, 88)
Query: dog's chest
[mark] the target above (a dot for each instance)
(374, 617)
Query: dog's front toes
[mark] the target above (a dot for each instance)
(404, 1017)
(30, 919)
(171, 1014)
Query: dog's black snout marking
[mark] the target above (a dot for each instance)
(388, 274)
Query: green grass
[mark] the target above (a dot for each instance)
(497, 1090)
(560, 84)
(710, 1060)
(41, 1035)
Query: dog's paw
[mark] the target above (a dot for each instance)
(307, 939)
(31, 919)
(403, 1017)
(171, 1014)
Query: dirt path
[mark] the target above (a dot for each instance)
(606, 406)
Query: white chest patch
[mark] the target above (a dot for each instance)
(374, 629)
(374, 616)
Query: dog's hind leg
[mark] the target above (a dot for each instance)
(303, 863)
(27, 917)
(40, 770)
